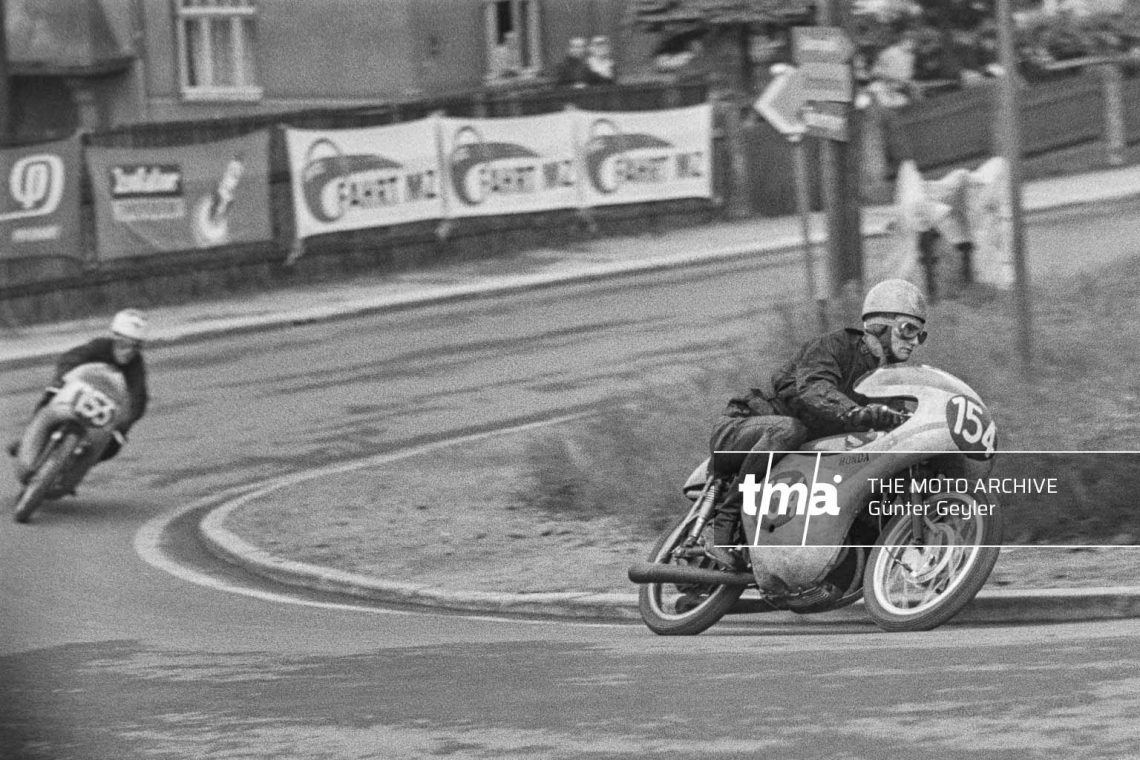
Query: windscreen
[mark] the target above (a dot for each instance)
(879, 382)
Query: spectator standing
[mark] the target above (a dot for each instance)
(683, 61)
(892, 76)
(506, 61)
(890, 87)
(599, 61)
(573, 71)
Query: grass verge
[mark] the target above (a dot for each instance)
(1081, 394)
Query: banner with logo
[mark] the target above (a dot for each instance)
(445, 167)
(639, 156)
(511, 165)
(154, 200)
(348, 179)
(39, 200)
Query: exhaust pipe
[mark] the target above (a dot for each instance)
(649, 572)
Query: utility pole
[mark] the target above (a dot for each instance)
(842, 190)
(803, 202)
(1009, 138)
(6, 122)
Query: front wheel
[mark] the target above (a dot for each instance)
(51, 465)
(688, 609)
(916, 586)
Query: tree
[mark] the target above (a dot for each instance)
(726, 27)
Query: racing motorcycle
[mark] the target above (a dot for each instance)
(893, 517)
(70, 432)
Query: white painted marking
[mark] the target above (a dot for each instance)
(148, 540)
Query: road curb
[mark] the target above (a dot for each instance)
(227, 545)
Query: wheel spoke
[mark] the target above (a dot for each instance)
(932, 591)
(913, 578)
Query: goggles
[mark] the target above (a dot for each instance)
(910, 331)
(125, 342)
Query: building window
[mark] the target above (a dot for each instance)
(217, 42)
(513, 48)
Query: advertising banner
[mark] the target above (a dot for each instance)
(39, 200)
(446, 167)
(639, 156)
(154, 200)
(348, 179)
(511, 165)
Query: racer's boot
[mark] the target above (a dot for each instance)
(725, 523)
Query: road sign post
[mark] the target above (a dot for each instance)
(803, 202)
(781, 104)
(1009, 133)
(824, 54)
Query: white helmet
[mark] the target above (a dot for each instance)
(129, 323)
(895, 297)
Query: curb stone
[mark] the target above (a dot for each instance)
(226, 545)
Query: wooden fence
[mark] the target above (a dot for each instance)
(1057, 115)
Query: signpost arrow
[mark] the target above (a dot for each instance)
(782, 100)
(826, 120)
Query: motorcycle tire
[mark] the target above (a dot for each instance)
(907, 587)
(51, 465)
(696, 608)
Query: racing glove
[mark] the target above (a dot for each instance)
(874, 417)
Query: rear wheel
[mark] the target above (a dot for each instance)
(913, 586)
(51, 465)
(687, 609)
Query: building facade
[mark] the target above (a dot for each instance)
(98, 64)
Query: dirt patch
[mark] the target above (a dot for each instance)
(453, 518)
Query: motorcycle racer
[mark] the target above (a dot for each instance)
(122, 349)
(812, 396)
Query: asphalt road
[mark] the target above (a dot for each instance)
(104, 655)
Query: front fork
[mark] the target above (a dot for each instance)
(918, 529)
(703, 509)
(918, 523)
